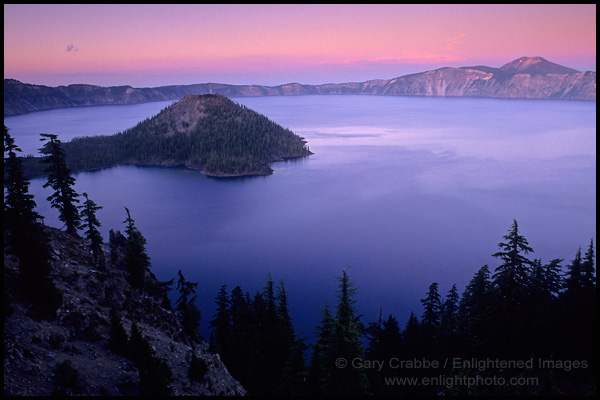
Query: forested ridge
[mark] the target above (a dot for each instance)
(522, 326)
(208, 132)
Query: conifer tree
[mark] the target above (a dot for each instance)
(512, 287)
(541, 307)
(588, 272)
(293, 372)
(449, 339)
(579, 303)
(136, 260)
(19, 204)
(64, 198)
(346, 343)
(384, 346)
(118, 340)
(221, 325)
(511, 278)
(432, 307)
(116, 242)
(475, 308)
(239, 335)
(323, 360)
(449, 311)
(186, 306)
(411, 338)
(155, 374)
(91, 223)
(430, 320)
(25, 236)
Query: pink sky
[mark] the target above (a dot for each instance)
(153, 45)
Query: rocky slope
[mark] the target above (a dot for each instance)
(33, 349)
(526, 77)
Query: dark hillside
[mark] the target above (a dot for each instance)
(72, 354)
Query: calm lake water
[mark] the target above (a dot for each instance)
(405, 190)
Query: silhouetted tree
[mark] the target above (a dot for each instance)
(346, 344)
(25, 237)
(118, 340)
(221, 325)
(449, 339)
(384, 346)
(136, 259)
(512, 281)
(430, 320)
(155, 374)
(475, 310)
(91, 223)
(186, 306)
(579, 303)
(116, 241)
(511, 278)
(293, 374)
(64, 198)
(322, 360)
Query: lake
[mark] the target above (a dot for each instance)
(405, 191)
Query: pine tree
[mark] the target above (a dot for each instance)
(25, 236)
(449, 339)
(574, 278)
(155, 374)
(136, 260)
(511, 278)
(430, 320)
(449, 311)
(384, 346)
(186, 306)
(411, 338)
(64, 198)
(431, 307)
(19, 204)
(346, 343)
(541, 307)
(475, 306)
(512, 287)
(221, 325)
(292, 348)
(116, 241)
(239, 335)
(579, 304)
(323, 360)
(90, 221)
(588, 272)
(118, 340)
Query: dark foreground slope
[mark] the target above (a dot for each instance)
(40, 356)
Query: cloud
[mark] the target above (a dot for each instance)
(454, 41)
(412, 58)
(71, 48)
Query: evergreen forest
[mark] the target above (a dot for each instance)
(522, 326)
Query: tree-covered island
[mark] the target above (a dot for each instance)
(209, 133)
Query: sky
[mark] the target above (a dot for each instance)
(273, 44)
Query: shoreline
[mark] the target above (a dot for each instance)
(216, 174)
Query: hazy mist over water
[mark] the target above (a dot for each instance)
(405, 190)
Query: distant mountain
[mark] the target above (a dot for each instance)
(526, 77)
(209, 133)
(535, 65)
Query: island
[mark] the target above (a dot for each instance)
(209, 133)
